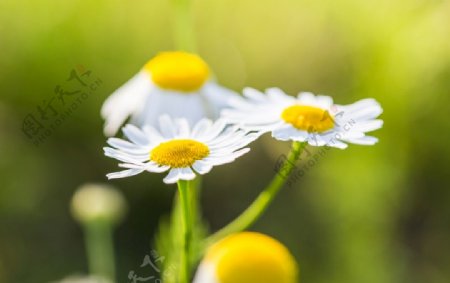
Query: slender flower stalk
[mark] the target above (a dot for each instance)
(195, 189)
(99, 208)
(100, 251)
(182, 26)
(184, 190)
(259, 206)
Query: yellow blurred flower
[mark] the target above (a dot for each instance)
(247, 257)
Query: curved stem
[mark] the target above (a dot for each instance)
(257, 208)
(183, 30)
(185, 199)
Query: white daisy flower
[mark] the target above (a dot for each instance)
(247, 257)
(177, 149)
(176, 83)
(305, 118)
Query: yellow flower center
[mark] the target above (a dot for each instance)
(179, 153)
(308, 118)
(178, 70)
(252, 257)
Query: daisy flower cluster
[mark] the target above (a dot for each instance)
(181, 122)
(178, 86)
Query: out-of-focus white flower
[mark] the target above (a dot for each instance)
(175, 83)
(92, 202)
(306, 118)
(177, 149)
(247, 257)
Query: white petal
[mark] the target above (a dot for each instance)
(362, 110)
(124, 145)
(201, 167)
(254, 94)
(156, 168)
(124, 157)
(214, 130)
(216, 98)
(337, 144)
(186, 173)
(153, 135)
(135, 135)
(324, 102)
(228, 133)
(131, 166)
(173, 176)
(261, 128)
(226, 159)
(124, 173)
(342, 134)
(288, 132)
(367, 126)
(167, 126)
(183, 128)
(278, 95)
(306, 98)
(240, 152)
(239, 103)
(316, 140)
(363, 104)
(241, 140)
(367, 140)
(201, 127)
(320, 101)
(190, 106)
(125, 101)
(206, 274)
(252, 117)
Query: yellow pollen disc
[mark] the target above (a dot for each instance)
(178, 70)
(308, 118)
(252, 257)
(179, 153)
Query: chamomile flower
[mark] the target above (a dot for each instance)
(305, 118)
(176, 83)
(247, 257)
(177, 149)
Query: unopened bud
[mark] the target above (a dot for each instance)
(98, 202)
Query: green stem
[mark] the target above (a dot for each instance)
(194, 191)
(257, 208)
(186, 201)
(100, 249)
(183, 30)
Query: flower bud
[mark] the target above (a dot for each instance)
(98, 202)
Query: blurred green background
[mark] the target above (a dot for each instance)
(365, 214)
